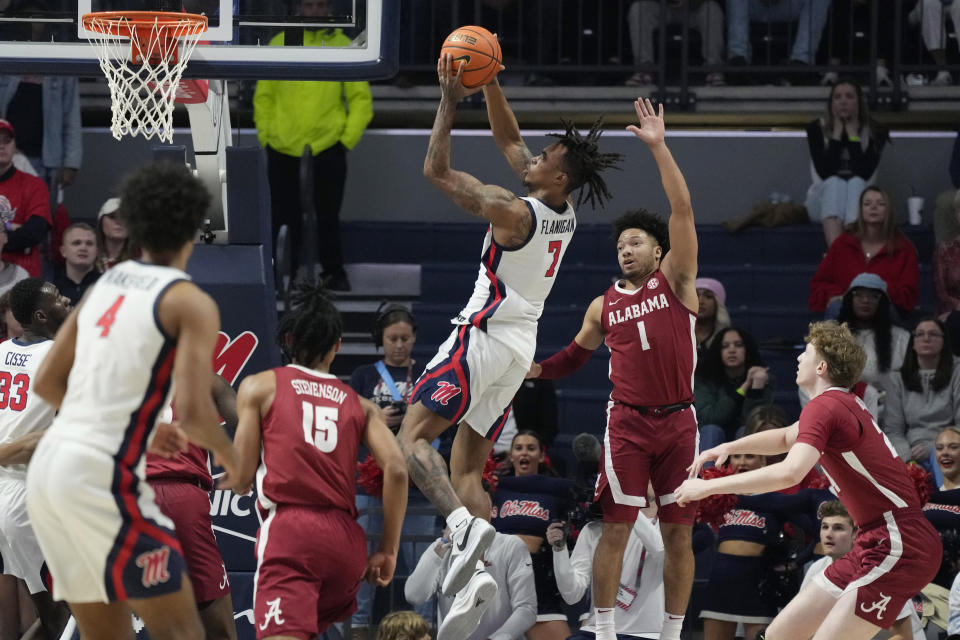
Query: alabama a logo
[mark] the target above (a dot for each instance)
(445, 392)
(653, 283)
(154, 565)
(879, 606)
(273, 613)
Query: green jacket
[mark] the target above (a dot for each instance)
(720, 404)
(289, 114)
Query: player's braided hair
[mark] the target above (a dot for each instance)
(311, 328)
(645, 221)
(583, 162)
(25, 299)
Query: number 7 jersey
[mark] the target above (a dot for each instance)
(310, 437)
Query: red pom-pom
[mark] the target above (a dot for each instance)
(370, 477)
(490, 472)
(922, 480)
(815, 480)
(712, 508)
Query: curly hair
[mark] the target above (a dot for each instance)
(835, 343)
(25, 299)
(311, 328)
(645, 221)
(583, 162)
(163, 206)
(402, 625)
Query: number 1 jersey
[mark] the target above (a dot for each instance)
(21, 410)
(311, 434)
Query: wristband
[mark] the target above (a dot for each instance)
(741, 392)
(564, 362)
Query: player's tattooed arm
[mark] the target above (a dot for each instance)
(506, 131)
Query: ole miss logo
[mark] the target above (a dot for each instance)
(445, 392)
(154, 565)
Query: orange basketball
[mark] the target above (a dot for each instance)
(479, 49)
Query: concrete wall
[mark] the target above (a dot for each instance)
(728, 171)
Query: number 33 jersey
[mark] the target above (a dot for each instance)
(311, 434)
(21, 410)
(122, 374)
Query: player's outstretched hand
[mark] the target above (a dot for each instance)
(535, 371)
(651, 129)
(451, 79)
(169, 440)
(380, 568)
(556, 536)
(718, 454)
(231, 475)
(691, 490)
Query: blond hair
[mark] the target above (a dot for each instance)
(402, 625)
(836, 345)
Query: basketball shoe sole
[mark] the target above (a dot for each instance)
(476, 538)
(468, 607)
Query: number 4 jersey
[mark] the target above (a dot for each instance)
(311, 434)
(21, 411)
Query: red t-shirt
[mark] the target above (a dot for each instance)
(25, 196)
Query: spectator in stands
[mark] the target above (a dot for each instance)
(24, 208)
(529, 496)
(763, 418)
(871, 244)
(511, 613)
(712, 316)
(948, 457)
(924, 396)
(10, 274)
(113, 246)
(946, 269)
(704, 17)
(946, 212)
(389, 383)
(933, 26)
(11, 328)
(810, 15)
(867, 309)
(730, 380)
(837, 533)
(640, 611)
(845, 145)
(79, 251)
(329, 117)
(403, 625)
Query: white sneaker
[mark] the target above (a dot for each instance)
(469, 543)
(468, 607)
(942, 79)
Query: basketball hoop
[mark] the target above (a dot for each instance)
(144, 80)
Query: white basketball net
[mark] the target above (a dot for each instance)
(142, 93)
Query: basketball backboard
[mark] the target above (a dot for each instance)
(47, 37)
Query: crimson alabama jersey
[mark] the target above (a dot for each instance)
(189, 465)
(652, 346)
(863, 467)
(310, 439)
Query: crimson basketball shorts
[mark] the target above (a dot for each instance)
(188, 505)
(892, 559)
(639, 449)
(472, 379)
(310, 564)
(102, 534)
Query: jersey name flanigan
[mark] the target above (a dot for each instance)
(654, 303)
(567, 225)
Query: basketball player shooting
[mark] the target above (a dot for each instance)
(896, 553)
(477, 371)
(646, 319)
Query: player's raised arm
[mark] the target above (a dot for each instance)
(253, 401)
(495, 204)
(506, 131)
(578, 351)
(386, 451)
(680, 263)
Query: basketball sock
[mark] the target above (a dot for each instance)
(458, 519)
(605, 628)
(671, 627)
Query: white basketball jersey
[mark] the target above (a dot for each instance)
(514, 283)
(21, 410)
(121, 378)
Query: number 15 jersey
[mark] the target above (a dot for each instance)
(310, 437)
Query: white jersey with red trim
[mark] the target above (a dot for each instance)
(514, 283)
(21, 410)
(121, 378)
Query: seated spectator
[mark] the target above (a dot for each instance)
(948, 457)
(11, 328)
(924, 396)
(113, 246)
(10, 274)
(810, 16)
(712, 316)
(24, 208)
(845, 145)
(514, 607)
(946, 265)
(867, 309)
(933, 26)
(837, 533)
(640, 609)
(79, 251)
(730, 380)
(704, 17)
(527, 500)
(872, 244)
(403, 625)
